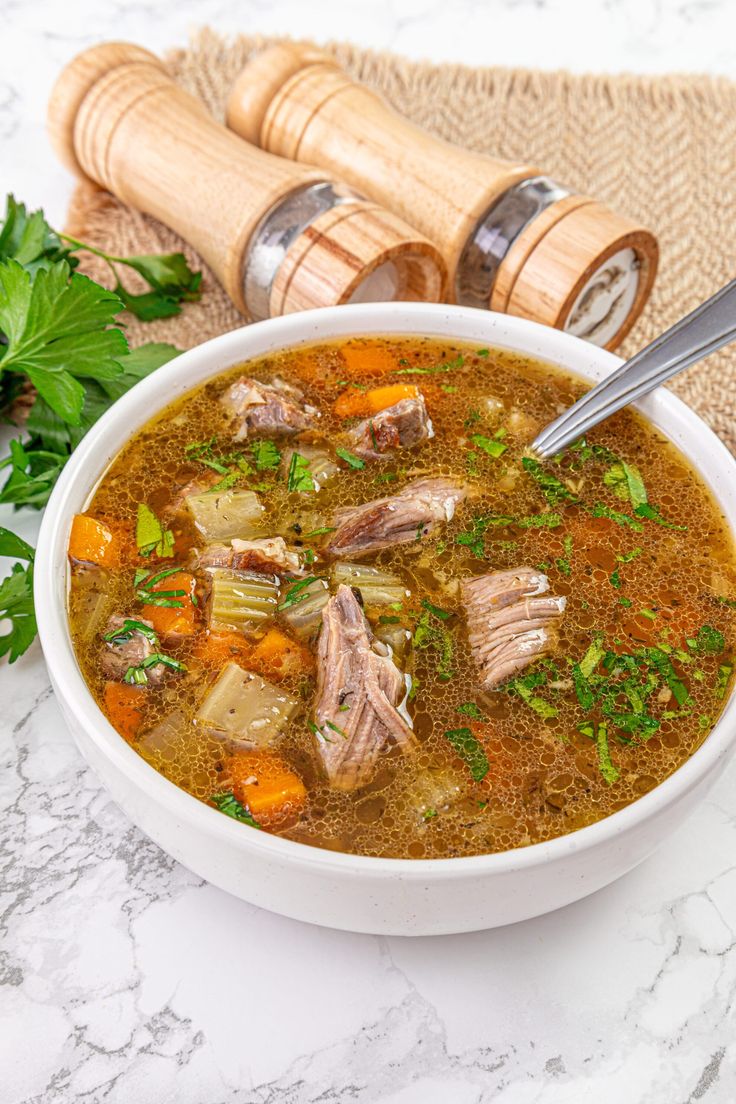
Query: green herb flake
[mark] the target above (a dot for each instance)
(470, 709)
(602, 511)
(651, 513)
(552, 488)
(228, 804)
(448, 366)
(299, 479)
(724, 674)
(626, 482)
(150, 535)
(708, 640)
(605, 764)
(298, 592)
(469, 749)
(266, 455)
(490, 445)
(350, 458)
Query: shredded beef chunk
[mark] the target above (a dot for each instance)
(266, 556)
(129, 649)
(266, 410)
(358, 690)
(511, 621)
(407, 516)
(400, 426)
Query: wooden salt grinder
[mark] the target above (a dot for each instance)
(280, 236)
(513, 240)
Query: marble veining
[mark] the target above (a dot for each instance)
(124, 978)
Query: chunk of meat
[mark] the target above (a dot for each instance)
(511, 621)
(266, 556)
(400, 426)
(407, 516)
(266, 410)
(129, 649)
(358, 690)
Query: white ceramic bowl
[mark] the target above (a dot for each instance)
(397, 896)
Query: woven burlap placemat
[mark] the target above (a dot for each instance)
(661, 149)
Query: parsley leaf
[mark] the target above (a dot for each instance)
(300, 478)
(552, 488)
(350, 458)
(57, 327)
(150, 535)
(266, 455)
(626, 482)
(228, 804)
(29, 240)
(16, 606)
(490, 445)
(708, 639)
(646, 510)
(469, 749)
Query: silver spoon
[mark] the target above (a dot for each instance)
(694, 337)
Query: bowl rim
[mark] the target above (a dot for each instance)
(205, 361)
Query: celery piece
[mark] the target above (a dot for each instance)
(243, 707)
(241, 601)
(222, 516)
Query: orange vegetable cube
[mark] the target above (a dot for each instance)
(353, 403)
(93, 542)
(279, 655)
(122, 706)
(268, 788)
(218, 648)
(173, 620)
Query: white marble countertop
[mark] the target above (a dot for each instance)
(126, 979)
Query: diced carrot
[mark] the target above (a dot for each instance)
(92, 542)
(263, 782)
(122, 706)
(174, 620)
(368, 360)
(353, 402)
(218, 648)
(279, 655)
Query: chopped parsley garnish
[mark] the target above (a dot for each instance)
(525, 687)
(599, 733)
(350, 458)
(615, 579)
(319, 532)
(335, 728)
(428, 814)
(317, 731)
(602, 511)
(469, 749)
(708, 639)
(125, 632)
(448, 366)
(490, 445)
(228, 804)
(626, 482)
(429, 634)
(646, 510)
(474, 538)
(137, 676)
(625, 602)
(300, 478)
(150, 535)
(266, 455)
(552, 488)
(298, 592)
(470, 709)
(724, 673)
(563, 563)
(442, 614)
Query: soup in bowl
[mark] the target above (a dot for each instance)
(336, 639)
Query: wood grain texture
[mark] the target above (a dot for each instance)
(300, 104)
(117, 117)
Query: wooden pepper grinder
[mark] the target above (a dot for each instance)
(280, 236)
(513, 240)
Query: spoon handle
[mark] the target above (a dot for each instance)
(694, 337)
